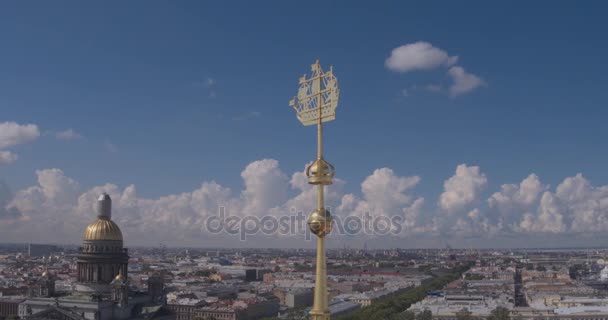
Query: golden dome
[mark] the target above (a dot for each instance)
(103, 229)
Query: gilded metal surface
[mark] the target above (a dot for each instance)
(320, 172)
(317, 97)
(103, 229)
(320, 222)
(119, 279)
(316, 103)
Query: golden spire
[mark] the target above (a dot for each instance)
(316, 103)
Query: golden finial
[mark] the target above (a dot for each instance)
(316, 103)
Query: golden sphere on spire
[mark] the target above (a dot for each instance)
(320, 222)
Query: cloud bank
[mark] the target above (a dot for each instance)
(57, 207)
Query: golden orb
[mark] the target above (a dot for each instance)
(320, 222)
(102, 229)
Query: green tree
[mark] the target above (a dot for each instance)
(424, 268)
(389, 308)
(406, 315)
(500, 313)
(473, 276)
(463, 314)
(425, 315)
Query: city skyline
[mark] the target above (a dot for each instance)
(478, 138)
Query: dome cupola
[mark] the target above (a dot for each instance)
(103, 229)
(102, 255)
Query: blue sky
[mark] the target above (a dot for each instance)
(166, 95)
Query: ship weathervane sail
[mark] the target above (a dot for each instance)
(317, 97)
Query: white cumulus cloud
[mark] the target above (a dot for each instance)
(265, 186)
(386, 194)
(522, 195)
(549, 218)
(57, 208)
(424, 56)
(462, 188)
(462, 81)
(418, 56)
(13, 134)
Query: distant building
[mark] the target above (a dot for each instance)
(13, 291)
(604, 274)
(9, 307)
(156, 288)
(183, 311)
(256, 274)
(251, 275)
(239, 311)
(579, 313)
(268, 278)
(294, 298)
(39, 250)
(368, 298)
(342, 308)
(448, 308)
(350, 286)
(266, 307)
(223, 313)
(299, 298)
(43, 287)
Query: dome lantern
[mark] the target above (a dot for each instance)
(104, 206)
